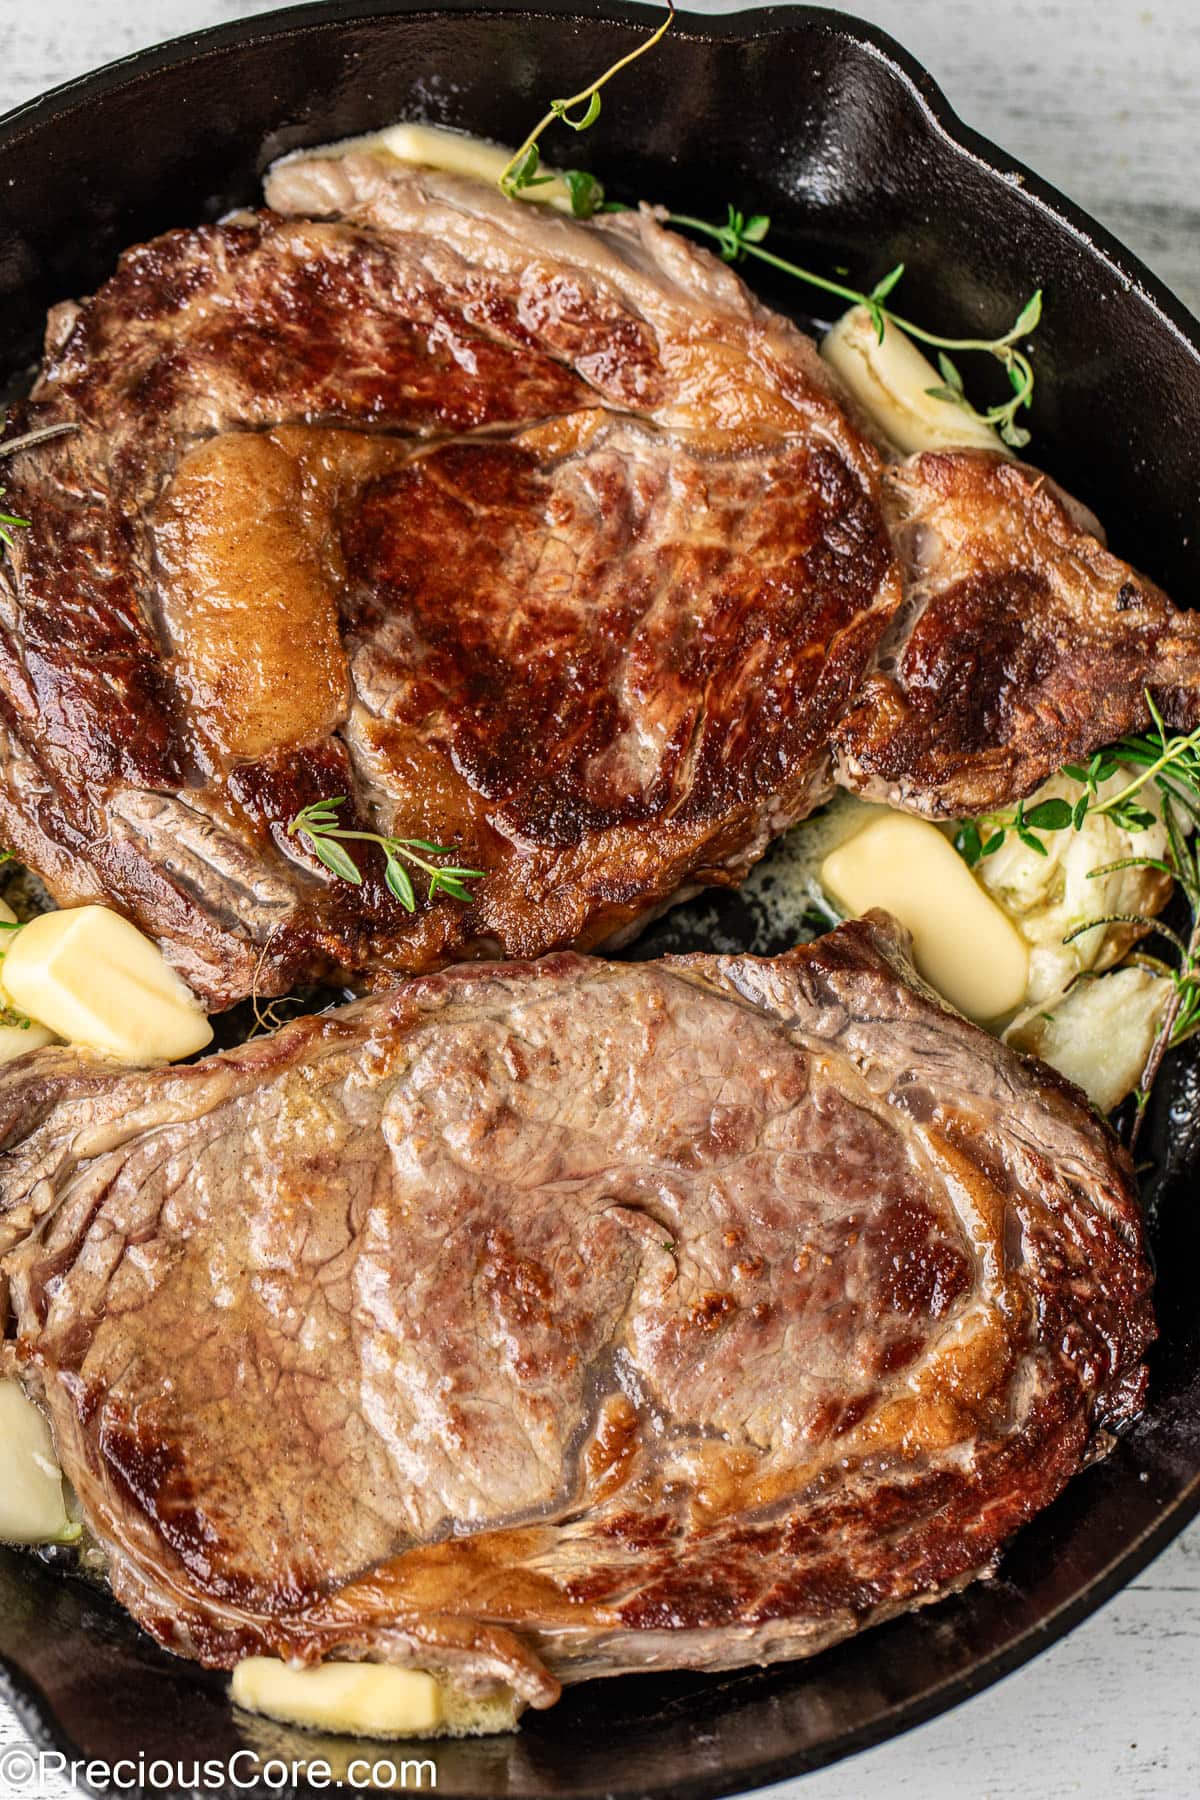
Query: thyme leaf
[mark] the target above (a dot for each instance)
(1170, 761)
(736, 241)
(335, 857)
(522, 170)
(10, 522)
(317, 825)
(587, 194)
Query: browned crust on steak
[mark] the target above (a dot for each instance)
(537, 538)
(604, 557)
(1023, 643)
(542, 1321)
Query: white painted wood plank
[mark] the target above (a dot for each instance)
(1100, 96)
(1110, 1711)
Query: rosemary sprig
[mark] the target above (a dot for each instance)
(523, 167)
(740, 237)
(318, 826)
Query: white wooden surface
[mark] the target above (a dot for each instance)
(1103, 98)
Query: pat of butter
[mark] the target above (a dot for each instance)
(361, 1699)
(457, 152)
(963, 944)
(91, 977)
(32, 1509)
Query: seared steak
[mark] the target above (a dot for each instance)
(1020, 634)
(549, 1320)
(539, 538)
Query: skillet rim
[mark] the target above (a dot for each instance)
(740, 24)
(33, 1708)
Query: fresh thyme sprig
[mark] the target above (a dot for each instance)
(10, 522)
(318, 826)
(1171, 762)
(1181, 1016)
(522, 170)
(41, 434)
(740, 237)
(743, 234)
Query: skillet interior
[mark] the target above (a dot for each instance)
(827, 126)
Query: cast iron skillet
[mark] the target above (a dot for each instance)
(847, 143)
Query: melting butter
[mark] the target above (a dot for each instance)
(368, 1699)
(963, 944)
(91, 977)
(32, 1506)
(457, 152)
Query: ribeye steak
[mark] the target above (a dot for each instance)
(540, 538)
(539, 1321)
